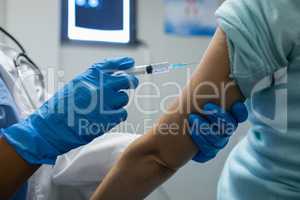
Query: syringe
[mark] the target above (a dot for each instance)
(158, 68)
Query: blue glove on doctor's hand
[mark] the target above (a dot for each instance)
(212, 133)
(87, 107)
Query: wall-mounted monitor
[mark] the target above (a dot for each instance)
(105, 21)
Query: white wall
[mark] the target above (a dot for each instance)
(36, 24)
(2, 16)
(2, 12)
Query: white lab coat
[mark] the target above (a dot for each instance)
(77, 174)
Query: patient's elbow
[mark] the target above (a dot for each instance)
(147, 153)
(150, 160)
(164, 165)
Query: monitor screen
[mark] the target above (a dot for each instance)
(99, 20)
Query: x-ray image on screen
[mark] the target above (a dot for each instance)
(89, 15)
(100, 20)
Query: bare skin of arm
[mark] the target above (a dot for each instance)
(14, 170)
(156, 156)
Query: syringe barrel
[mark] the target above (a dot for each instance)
(149, 69)
(138, 70)
(161, 68)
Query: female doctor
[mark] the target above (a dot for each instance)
(96, 96)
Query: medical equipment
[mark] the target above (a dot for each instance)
(158, 68)
(22, 76)
(99, 21)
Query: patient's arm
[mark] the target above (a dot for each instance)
(155, 157)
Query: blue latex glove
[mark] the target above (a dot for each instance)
(211, 134)
(87, 107)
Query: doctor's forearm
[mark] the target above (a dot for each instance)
(14, 170)
(155, 157)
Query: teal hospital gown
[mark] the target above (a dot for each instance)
(264, 47)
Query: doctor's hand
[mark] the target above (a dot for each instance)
(212, 132)
(87, 107)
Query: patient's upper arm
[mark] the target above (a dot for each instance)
(211, 82)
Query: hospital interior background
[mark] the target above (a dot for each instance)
(37, 24)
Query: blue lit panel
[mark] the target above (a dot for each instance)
(99, 20)
(88, 15)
